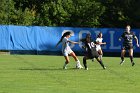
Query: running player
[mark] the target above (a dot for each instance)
(99, 43)
(91, 51)
(128, 37)
(66, 50)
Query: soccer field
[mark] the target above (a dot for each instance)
(44, 74)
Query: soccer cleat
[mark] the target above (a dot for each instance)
(122, 62)
(133, 63)
(64, 67)
(104, 67)
(79, 67)
(86, 68)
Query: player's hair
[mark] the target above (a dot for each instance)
(65, 34)
(88, 36)
(99, 34)
(128, 26)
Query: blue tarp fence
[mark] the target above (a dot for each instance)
(43, 38)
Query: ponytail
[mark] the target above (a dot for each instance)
(65, 34)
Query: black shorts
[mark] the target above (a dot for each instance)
(92, 55)
(127, 46)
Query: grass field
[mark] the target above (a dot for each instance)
(44, 74)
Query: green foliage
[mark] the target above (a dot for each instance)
(121, 12)
(11, 15)
(74, 13)
(86, 13)
(5, 8)
(71, 13)
(132, 12)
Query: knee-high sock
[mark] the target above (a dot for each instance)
(122, 58)
(65, 64)
(78, 62)
(131, 58)
(101, 63)
(84, 63)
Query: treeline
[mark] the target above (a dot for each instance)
(70, 13)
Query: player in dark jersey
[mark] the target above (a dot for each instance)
(128, 37)
(91, 51)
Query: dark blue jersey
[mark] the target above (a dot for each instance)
(91, 49)
(90, 46)
(128, 38)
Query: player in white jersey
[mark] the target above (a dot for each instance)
(99, 43)
(66, 50)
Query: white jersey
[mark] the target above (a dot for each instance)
(65, 47)
(98, 47)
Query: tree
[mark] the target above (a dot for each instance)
(5, 8)
(132, 12)
(15, 16)
(74, 13)
(81, 13)
(119, 13)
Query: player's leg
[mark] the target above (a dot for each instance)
(131, 56)
(101, 63)
(66, 62)
(98, 51)
(100, 54)
(78, 65)
(85, 62)
(122, 56)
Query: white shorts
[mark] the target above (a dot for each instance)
(67, 52)
(98, 48)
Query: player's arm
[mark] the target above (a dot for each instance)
(99, 43)
(83, 42)
(136, 41)
(84, 47)
(102, 43)
(120, 38)
(73, 42)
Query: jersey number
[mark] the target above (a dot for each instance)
(91, 45)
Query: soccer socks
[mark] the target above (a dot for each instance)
(122, 58)
(101, 63)
(84, 63)
(65, 65)
(78, 65)
(131, 58)
(78, 62)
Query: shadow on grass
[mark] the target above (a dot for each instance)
(40, 69)
(48, 69)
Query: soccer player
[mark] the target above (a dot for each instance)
(66, 50)
(91, 51)
(128, 37)
(99, 42)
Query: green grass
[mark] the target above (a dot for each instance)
(44, 74)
